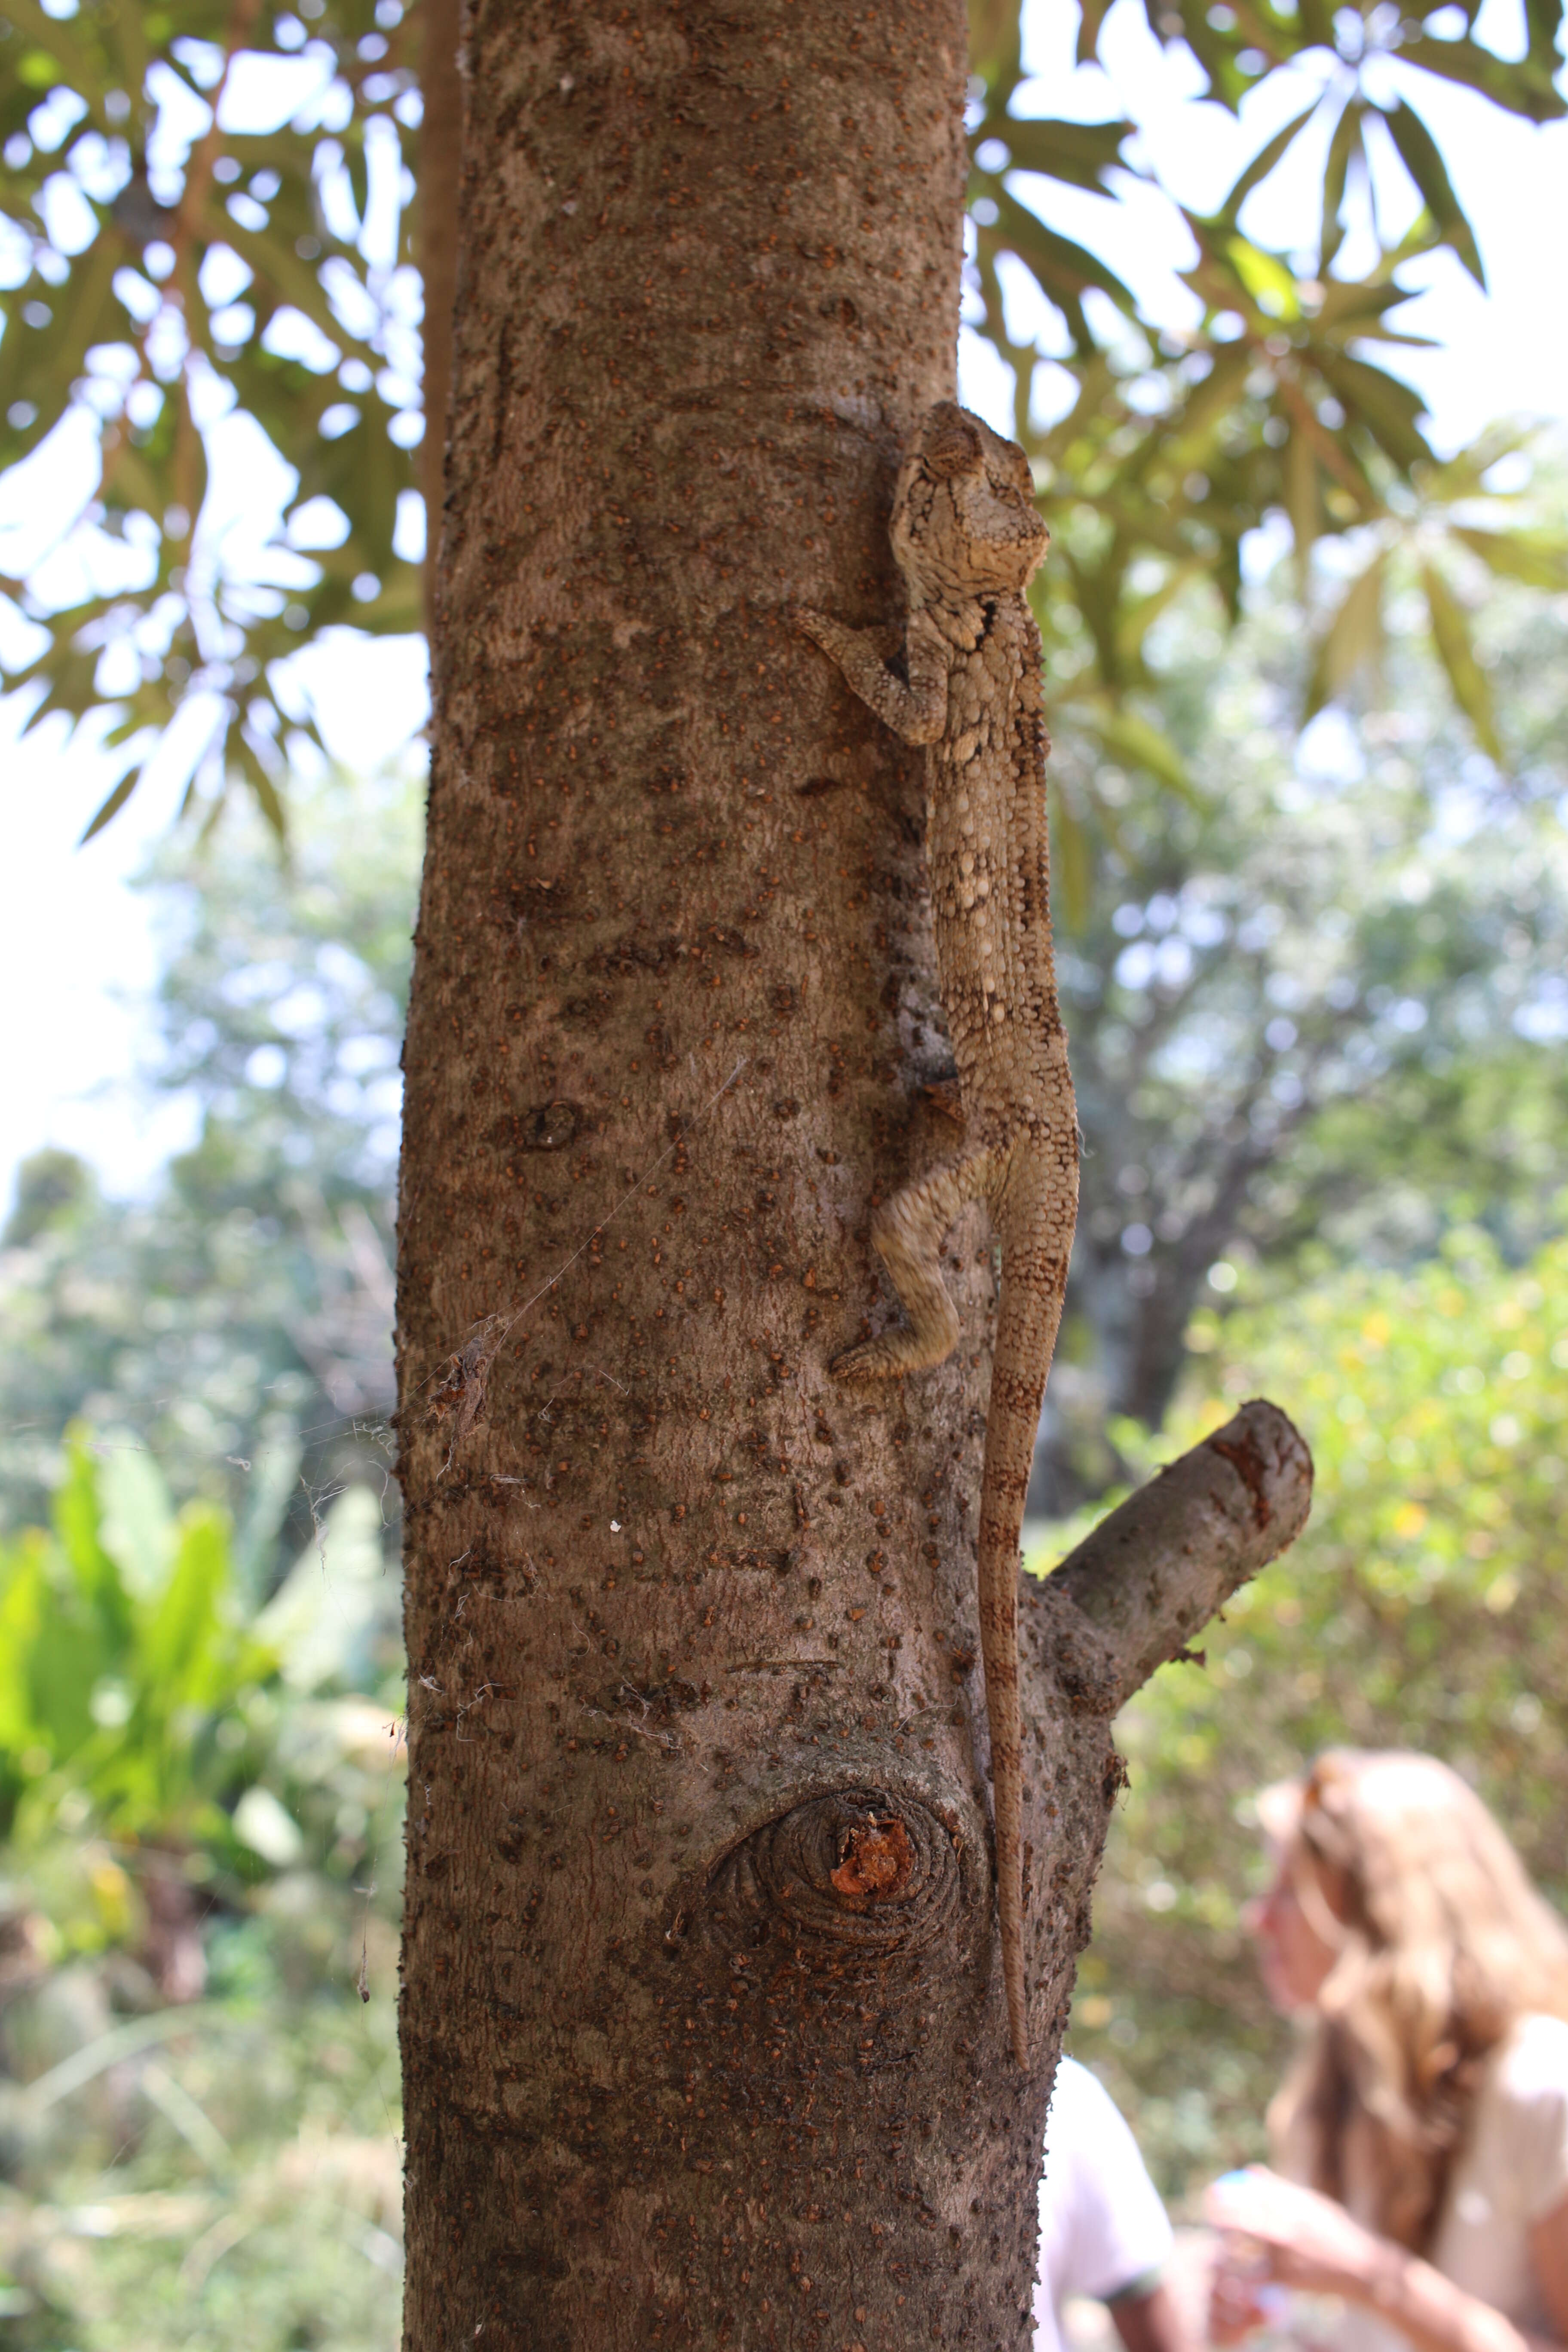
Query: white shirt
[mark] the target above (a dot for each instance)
(1510, 2173)
(1103, 2225)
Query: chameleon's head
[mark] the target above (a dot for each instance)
(964, 519)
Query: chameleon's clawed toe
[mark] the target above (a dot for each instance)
(882, 1359)
(868, 1361)
(890, 1355)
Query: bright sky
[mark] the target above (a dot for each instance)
(78, 952)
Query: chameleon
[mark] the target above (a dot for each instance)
(967, 536)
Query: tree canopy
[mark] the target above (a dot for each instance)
(212, 227)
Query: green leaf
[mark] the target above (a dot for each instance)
(1061, 267)
(44, 362)
(1270, 282)
(1345, 147)
(61, 50)
(1302, 503)
(1526, 87)
(77, 1516)
(253, 768)
(1092, 14)
(178, 1637)
(1081, 153)
(1423, 160)
(1451, 635)
(1262, 163)
(1140, 744)
(1138, 614)
(1538, 558)
(25, 1601)
(993, 41)
(113, 805)
(1072, 863)
(1387, 407)
(1353, 638)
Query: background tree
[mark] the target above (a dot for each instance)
(1423, 1608)
(237, 1323)
(1315, 1012)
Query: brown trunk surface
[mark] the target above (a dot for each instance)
(440, 165)
(703, 2030)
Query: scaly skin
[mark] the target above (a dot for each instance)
(967, 536)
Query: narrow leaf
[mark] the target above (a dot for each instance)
(1344, 146)
(993, 41)
(1270, 282)
(1056, 260)
(1538, 558)
(114, 803)
(1387, 407)
(1353, 638)
(1128, 737)
(1301, 501)
(1081, 153)
(1451, 635)
(1262, 163)
(1092, 14)
(1071, 865)
(1419, 153)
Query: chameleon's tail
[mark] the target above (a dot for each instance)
(1033, 1279)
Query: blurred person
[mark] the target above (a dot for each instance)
(1103, 2231)
(1422, 2137)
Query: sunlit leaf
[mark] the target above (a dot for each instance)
(1140, 743)
(1080, 154)
(1539, 559)
(1344, 148)
(1354, 638)
(1423, 160)
(1262, 163)
(1266, 277)
(1451, 635)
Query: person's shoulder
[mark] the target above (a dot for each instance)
(1532, 2057)
(1086, 2120)
(1078, 2092)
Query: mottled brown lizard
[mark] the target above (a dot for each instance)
(967, 536)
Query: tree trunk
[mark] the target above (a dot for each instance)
(440, 166)
(704, 2038)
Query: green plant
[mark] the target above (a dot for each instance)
(1421, 1608)
(126, 1673)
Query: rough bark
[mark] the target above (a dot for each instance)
(703, 2030)
(1156, 1570)
(440, 162)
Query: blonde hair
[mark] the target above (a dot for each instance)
(1441, 1945)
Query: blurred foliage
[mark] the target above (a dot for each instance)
(117, 1685)
(1172, 446)
(1317, 1014)
(144, 1694)
(208, 211)
(237, 1322)
(211, 216)
(206, 1800)
(240, 2185)
(1422, 1608)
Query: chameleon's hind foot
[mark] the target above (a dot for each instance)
(873, 1359)
(905, 1348)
